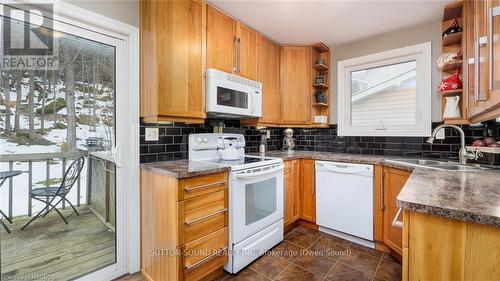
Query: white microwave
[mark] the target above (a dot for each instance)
(231, 96)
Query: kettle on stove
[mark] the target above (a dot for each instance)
(229, 149)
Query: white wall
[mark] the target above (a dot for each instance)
(429, 32)
(127, 11)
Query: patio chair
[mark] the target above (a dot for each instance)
(49, 195)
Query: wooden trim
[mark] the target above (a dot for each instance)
(167, 119)
(378, 208)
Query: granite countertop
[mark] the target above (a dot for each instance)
(467, 196)
(184, 168)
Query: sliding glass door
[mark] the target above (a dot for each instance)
(62, 131)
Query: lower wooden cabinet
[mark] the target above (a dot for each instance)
(438, 248)
(292, 191)
(307, 190)
(393, 182)
(184, 233)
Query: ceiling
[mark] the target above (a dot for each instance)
(333, 22)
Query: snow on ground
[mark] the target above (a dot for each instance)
(56, 136)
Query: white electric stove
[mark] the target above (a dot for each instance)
(255, 195)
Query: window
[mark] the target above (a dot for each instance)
(386, 94)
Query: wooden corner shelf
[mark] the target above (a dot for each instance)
(451, 92)
(453, 65)
(456, 121)
(321, 47)
(320, 86)
(321, 67)
(454, 38)
(321, 104)
(453, 10)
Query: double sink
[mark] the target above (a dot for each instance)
(438, 165)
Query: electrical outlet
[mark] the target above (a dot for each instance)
(268, 134)
(440, 134)
(152, 134)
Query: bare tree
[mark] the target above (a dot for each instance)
(6, 91)
(17, 116)
(31, 107)
(70, 55)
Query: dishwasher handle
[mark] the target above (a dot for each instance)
(344, 169)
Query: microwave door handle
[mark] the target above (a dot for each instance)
(258, 174)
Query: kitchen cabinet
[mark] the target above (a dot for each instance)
(292, 192)
(393, 182)
(187, 220)
(307, 191)
(295, 85)
(248, 46)
(231, 46)
(483, 27)
(269, 76)
(173, 34)
(444, 249)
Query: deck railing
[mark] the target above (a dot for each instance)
(48, 158)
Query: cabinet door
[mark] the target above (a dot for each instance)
(173, 34)
(308, 190)
(247, 48)
(295, 85)
(494, 39)
(221, 36)
(288, 186)
(269, 76)
(295, 210)
(394, 180)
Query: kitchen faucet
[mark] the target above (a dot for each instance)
(463, 155)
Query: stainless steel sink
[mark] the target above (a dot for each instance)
(421, 162)
(438, 165)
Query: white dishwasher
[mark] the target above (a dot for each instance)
(344, 199)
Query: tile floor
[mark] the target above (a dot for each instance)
(311, 255)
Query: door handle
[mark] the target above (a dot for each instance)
(395, 221)
(117, 155)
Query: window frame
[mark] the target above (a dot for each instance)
(421, 53)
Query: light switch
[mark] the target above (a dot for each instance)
(440, 134)
(152, 134)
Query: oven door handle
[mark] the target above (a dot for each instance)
(258, 174)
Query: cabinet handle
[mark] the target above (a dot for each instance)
(235, 58)
(190, 189)
(395, 221)
(205, 259)
(206, 217)
(481, 42)
(239, 55)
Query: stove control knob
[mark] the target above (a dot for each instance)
(205, 140)
(199, 140)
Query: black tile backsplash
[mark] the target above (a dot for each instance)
(173, 141)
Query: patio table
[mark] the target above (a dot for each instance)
(3, 177)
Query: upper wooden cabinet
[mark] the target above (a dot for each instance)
(393, 182)
(483, 43)
(221, 41)
(231, 46)
(295, 85)
(247, 47)
(173, 61)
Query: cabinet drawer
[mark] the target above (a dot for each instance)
(195, 209)
(207, 247)
(206, 267)
(196, 186)
(202, 226)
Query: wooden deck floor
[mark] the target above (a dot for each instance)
(57, 251)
